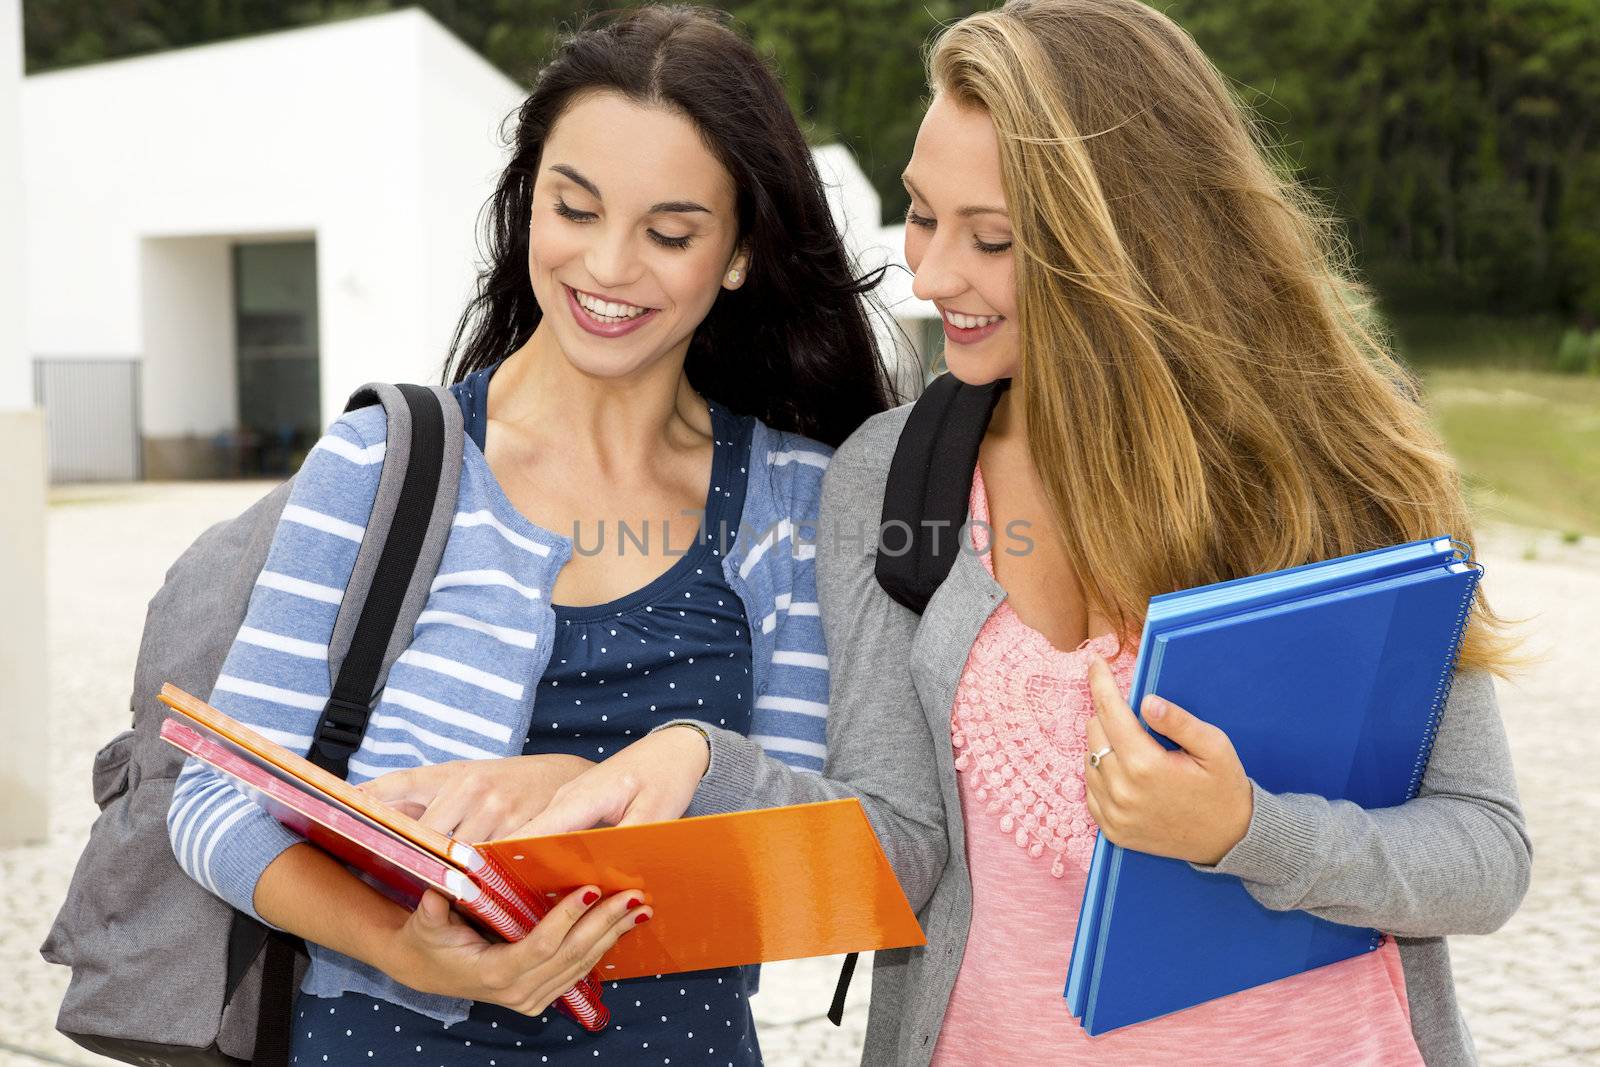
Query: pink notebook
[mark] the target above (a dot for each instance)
(396, 866)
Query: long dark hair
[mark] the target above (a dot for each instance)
(793, 345)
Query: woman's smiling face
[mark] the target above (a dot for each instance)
(958, 240)
(633, 233)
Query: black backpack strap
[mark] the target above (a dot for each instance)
(930, 481)
(924, 508)
(275, 1013)
(836, 1009)
(344, 719)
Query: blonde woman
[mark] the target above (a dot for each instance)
(1196, 395)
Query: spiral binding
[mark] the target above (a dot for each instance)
(587, 1010)
(525, 905)
(494, 879)
(1446, 679)
(1441, 694)
(495, 916)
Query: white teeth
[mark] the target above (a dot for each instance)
(970, 322)
(607, 310)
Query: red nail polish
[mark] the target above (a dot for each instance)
(634, 902)
(591, 897)
(637, 919)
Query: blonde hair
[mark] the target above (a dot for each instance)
(1205, 393)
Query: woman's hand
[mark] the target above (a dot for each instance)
(437, 951)
(1194, 804)
(478, 800)
(652, 780)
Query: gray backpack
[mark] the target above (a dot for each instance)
(163, 972)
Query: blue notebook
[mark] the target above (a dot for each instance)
(1329, 679)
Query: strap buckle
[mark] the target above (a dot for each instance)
(340, 730)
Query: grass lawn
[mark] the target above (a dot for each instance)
(1527, 438)
(1528, 443)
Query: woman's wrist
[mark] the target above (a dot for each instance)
(704, 742)
(308, 893)
(394, 954)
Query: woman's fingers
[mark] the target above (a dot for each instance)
(436, 796)
(554, 927)
(445, 812)
(434, 911)
(595, 797)
(589, 940)
(600, 927)
(489, 820)
(1094, 735)
(396, 785)
(415, 785)
(1195, 736)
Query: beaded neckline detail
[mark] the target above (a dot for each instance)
(1017, 725)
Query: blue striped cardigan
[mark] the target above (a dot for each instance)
(463, 688)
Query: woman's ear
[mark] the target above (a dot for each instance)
(738, 269)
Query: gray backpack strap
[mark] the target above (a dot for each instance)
(430, 548)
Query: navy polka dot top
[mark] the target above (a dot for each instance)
(677, 648)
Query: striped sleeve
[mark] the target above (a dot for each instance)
(275, 677)
(790, 717)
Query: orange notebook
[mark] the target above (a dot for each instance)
(748, 887)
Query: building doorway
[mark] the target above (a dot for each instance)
(279, 372)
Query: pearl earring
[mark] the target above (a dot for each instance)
(734, 275)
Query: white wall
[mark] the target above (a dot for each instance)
(16, 380)
(318, 131)
(24, 692)
(24, 648)
(188, 343)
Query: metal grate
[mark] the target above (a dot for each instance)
(92, 418)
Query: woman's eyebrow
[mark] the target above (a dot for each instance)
(680, 207)
(588, 186)
(666, 207)
(965, 212)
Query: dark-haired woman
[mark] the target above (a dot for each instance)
(667, 340)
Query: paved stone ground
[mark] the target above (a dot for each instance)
(1529, 990)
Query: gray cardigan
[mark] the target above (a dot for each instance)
(1454, 861)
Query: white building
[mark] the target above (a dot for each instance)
(24, 693)
(222, 242)
(908, 329)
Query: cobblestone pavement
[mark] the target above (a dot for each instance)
(1529, 990)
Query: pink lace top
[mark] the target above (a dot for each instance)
(1017, 727)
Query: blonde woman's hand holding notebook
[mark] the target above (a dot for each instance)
(1192, 804)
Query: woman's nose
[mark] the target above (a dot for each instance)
(935, 276)
(612, 261)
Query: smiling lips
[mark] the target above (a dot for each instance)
(606, 318)
(968, 329)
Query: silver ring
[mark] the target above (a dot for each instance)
(1096, 756)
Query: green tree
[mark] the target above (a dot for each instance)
(1459, 140)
